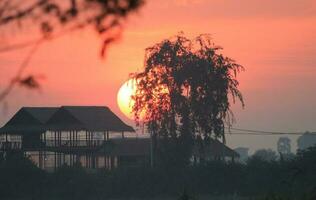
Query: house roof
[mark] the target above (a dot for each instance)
(29, 119)
(128, 147)
(215, 148)
(39, 119)
(42, 114)
(91, 118)
(141, 147)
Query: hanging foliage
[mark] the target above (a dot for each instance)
(185, 88)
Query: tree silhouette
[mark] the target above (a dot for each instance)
(306, 140)
(183, 92)
(284, 146)
(265, 154)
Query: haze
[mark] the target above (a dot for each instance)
(274, 40)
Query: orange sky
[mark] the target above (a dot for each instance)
(274, 40)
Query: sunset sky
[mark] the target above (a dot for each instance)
(274, 40)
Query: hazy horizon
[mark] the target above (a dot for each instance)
(274, 41)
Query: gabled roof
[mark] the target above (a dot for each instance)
(215, 148)
(39, 119)
(29, 119)
(91, 118)
(42, 114)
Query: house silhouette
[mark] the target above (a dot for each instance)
(90, 135)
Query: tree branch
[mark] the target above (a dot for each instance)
(17, 78)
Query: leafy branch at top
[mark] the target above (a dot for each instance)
(105, 16)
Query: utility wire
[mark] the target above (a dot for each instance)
(263, 132)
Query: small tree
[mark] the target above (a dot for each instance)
(265, 155)
(284, 146)
(183, 93)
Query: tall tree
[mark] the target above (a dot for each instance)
(183, 93)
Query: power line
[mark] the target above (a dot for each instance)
(263, 132)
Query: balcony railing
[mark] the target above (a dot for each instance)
(10, 145)
(77, 143)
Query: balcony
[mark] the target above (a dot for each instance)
(12, 145)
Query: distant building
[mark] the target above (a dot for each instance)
(243, 153)
(306, 140)
(90, 135)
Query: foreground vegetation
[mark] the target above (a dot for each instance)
(293, 178)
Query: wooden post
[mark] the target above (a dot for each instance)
(39, 153)
(89, 142)
(55, 160)
(55, 138)
(45, 140)
(105, 162)
(59, 159)
(89, 139)
(86, 138)
(59, 141)
(76, 138)
(41, 138)
(58, 138)
(44, 159)
(89, 160)
(70, 159)
(39, 159)
(109, 162)
(92, 138)
(73, 138)
(69, 138)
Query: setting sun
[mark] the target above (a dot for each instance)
(126, 103)
(124, 97)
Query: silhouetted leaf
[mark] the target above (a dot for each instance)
(30, 82)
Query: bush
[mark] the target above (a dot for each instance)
(277, 180)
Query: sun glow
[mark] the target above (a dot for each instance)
(124, 98)
(126, 103)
